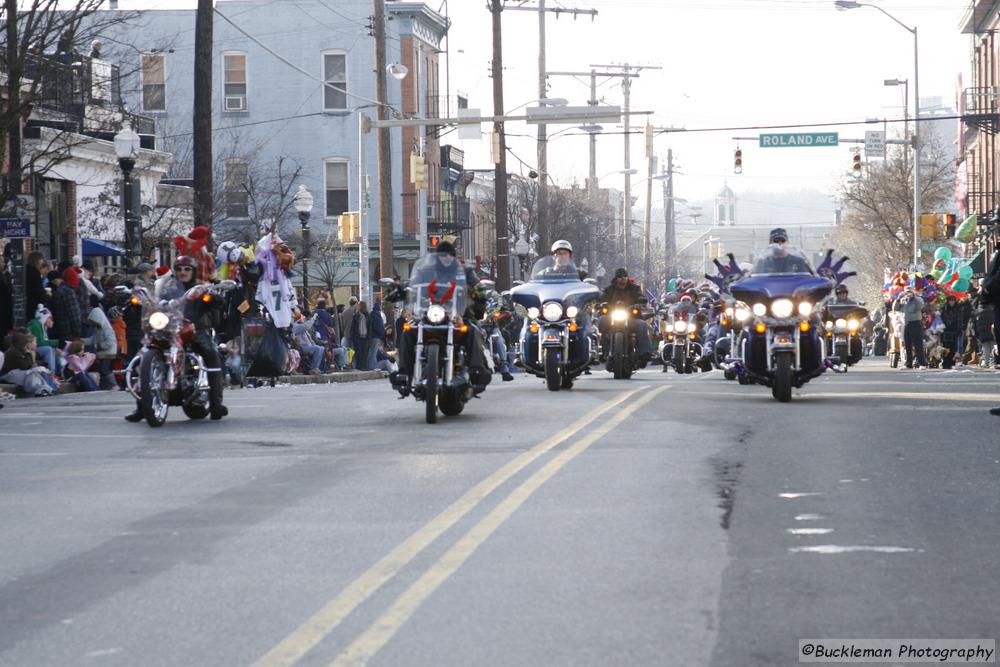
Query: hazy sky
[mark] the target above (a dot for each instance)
(725, 63)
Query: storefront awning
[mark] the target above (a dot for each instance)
(98, 248)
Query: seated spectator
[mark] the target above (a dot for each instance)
(46, 347)
(21, 368)
(313, 354)
(78, 364)
(104, 343)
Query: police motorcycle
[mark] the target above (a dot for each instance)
(783, 347)
(436, 298)
(556, 338)
(842, 323)
(167, 371)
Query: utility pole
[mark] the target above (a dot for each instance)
(592, 179)
(542, 148)
(383, 147)
(202, 129)
(627, 73)
(646, 226)
(670, 237)
(500, 172)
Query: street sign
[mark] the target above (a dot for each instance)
(806, 139)
(471, 131)
(874, 143)
(348, 264)
(15, 228)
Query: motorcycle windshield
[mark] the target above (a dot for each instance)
(437, 279)
(551, 269)
(779, 259)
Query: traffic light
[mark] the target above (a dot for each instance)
(738, 162)
(856, 165)
(948, 222)
(418, 171)
(928, 225)
(348, 227)
(435, 240)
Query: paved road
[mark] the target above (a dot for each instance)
(662, 521)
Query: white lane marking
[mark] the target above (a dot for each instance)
(846, 481)
(104, 652)
(836, 549)
(79, 435)
(799, 495)
(34, 453)
(809, 517)
(808, 531)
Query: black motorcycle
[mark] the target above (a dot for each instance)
(623, 358)
(842, 322)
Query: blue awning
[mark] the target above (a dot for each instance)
(98, 248)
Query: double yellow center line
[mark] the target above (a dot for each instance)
(366, 645)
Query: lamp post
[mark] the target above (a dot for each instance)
(127, 149)
(303, 201)
(849, 4)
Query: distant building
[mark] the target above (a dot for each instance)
(725, 207)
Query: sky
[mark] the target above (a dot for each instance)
(725, 63)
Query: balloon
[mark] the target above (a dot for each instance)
(672, 285)
(942, 253)
(965, 273)
(961, 287)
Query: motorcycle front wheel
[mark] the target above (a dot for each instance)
(553, 374)
(781, 388)
(152, 376)
(431, 382)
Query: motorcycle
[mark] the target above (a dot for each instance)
(436, 298)
(783, 348)
(492, 325)
(843, 325)
(681, 348)
(728, 348)
(622, 355)
(170, 373)
(555, 340)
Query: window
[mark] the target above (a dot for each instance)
(154, 83)
(237, 197)
(335, 72)
(336, 188)
(234, 82)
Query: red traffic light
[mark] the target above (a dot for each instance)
(435, 240)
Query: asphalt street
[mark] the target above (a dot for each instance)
(664, 520)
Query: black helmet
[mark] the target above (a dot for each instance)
(446, 247)
(778, 235)
(841, 289)
(621, 273)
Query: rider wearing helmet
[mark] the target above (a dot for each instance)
(780, 258)
(843, 296)
(626, 291)
(205, 317)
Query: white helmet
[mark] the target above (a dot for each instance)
(561, 245)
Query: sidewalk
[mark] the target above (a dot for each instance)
(326, 378)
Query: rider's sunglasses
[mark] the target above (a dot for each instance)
(183, 268)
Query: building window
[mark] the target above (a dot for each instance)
(337, 191)
(237, 196)
(234, 82)
(154, 82)
(335, 73)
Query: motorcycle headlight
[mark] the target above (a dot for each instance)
(619, 315)
(680, 327)
(159, 320)
(805, 309)
(853, 324)
(742, 314)
(552, 311)
(669, 328)
(829, 325)
(436, 314)
(759, 309)
(729, 312)
(841, 323)
(533, 313)
(572, 311)
(782, 308)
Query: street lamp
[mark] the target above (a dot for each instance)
(303, 202)
(127, 149)
(398, 71)
(849, 4)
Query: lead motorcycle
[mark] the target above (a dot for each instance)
(622, 353)
(555, 341)
(436, 298)
(170, 373)
(783, 348)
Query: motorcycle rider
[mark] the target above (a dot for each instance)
(842, 297)
(204, 317)
(443, 270)
(625, 290)
(780, 258)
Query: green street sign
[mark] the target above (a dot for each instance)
(348, 264)
(806, 139)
